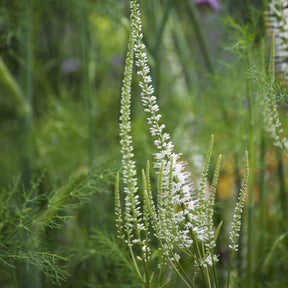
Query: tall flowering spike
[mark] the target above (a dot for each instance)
(236, 222)
(182, 192)
(132, 205)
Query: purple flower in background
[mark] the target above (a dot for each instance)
(70, 66)
(116, 60)
(211, 3)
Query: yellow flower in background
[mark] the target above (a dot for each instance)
(227, 180)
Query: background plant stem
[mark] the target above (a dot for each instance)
(199, 35)
(251, 178)
(31, 276)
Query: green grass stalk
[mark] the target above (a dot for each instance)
(230, 268)
(183, 51)
(262, 163)
(159, 34)
(198, 31)
(8, 82)
(31, 277)
(281, 176)
(251, 180)
(262, 197)
(89, 92)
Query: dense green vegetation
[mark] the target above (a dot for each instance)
(61, 70)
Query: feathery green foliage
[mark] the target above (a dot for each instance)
(26, 215)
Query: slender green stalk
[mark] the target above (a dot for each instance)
(281, 182)
(159, 36)
(161, 272)
(89, 71)
(198, 31)
(10, 85)
(262, 193)
(262, 189)
(160, 32)
(199, 255)
(230, 268)
(183, 51)
(31, 277)
(251, 176)
(88, 88)
(187, 283)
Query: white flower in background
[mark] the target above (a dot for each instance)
(272, 121)
(277, 27)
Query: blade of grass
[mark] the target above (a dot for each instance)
(251, 177)
(199, 34)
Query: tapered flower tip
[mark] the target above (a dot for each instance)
(214, 4)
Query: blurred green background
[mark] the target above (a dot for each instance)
(60, 83)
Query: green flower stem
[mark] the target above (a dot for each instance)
(281, 182)
(251, 176)
(262, 189)
(161, 273)
(199, 256)
(214, 270)
(262, 194)
(195, 23)
(134, 262)
(183, 51)
(159, 35)
(30, 277)
(230, 268)
(179, 270)
(176, 269)
(10, 85)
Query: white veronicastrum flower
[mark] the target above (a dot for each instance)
(176, 184)
(133, 224)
